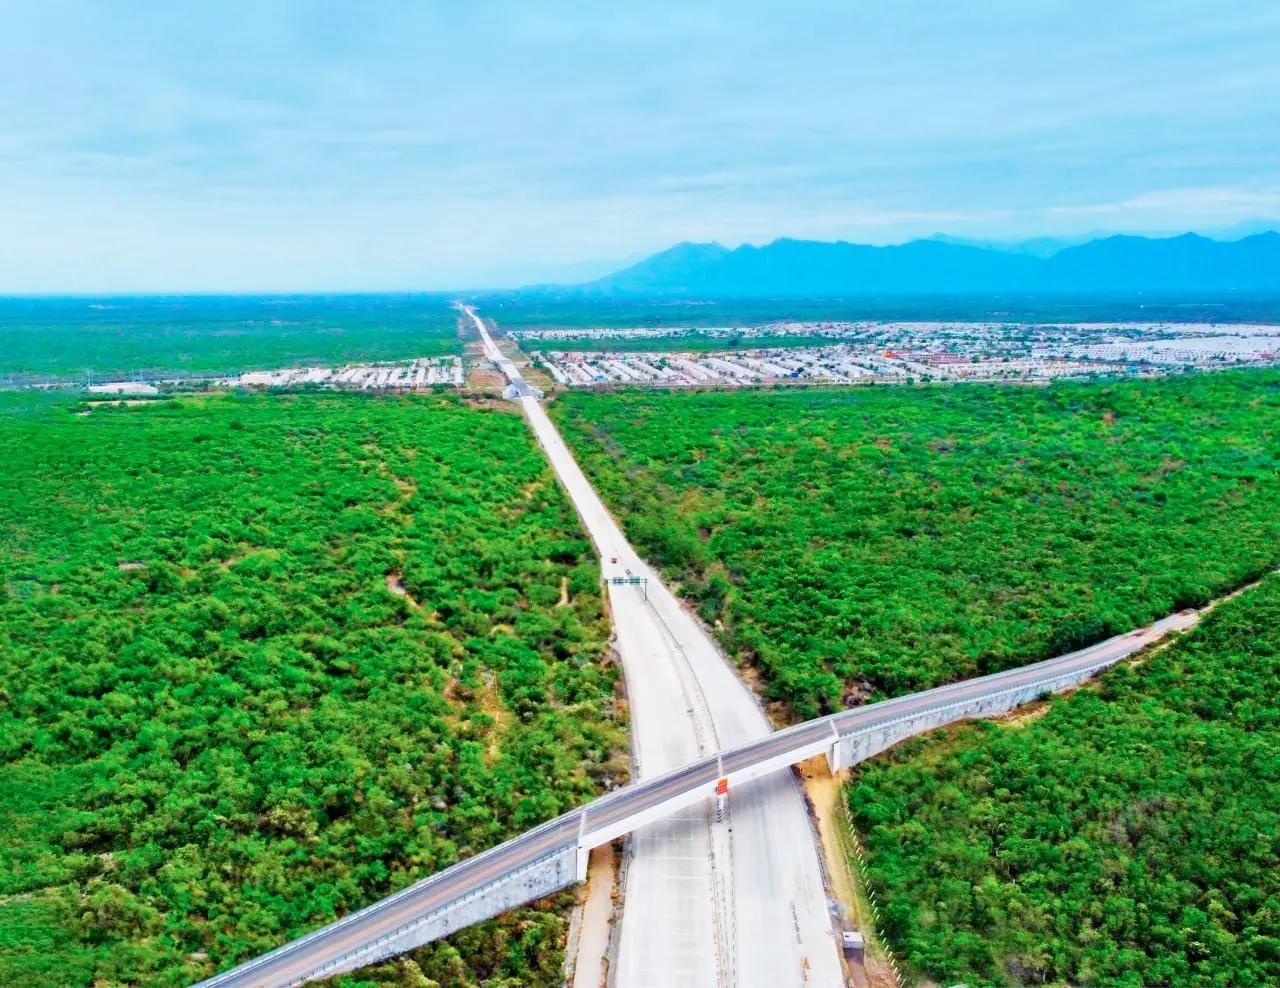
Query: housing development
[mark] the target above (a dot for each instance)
(425, 372)
(388, 376)
(829, 353)
(810, 365)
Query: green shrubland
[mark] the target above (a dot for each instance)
(72, 338)
(865, 541)
(220, 724)
(1130, 836)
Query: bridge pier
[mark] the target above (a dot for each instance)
(583, 859)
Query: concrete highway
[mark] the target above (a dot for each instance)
(761, 868)
(672, 908)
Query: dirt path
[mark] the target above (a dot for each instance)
(825, 792)
(597, 916)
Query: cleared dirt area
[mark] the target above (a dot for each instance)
(825, 792)
(396, 585)
(482, 378)
(590, 969)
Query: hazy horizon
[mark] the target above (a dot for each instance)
(568, 275)
(291, 147)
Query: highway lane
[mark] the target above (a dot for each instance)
(670, 929)
(783, 928)
(764, 873)
(310, 954)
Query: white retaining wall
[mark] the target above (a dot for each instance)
(858, 747)
(539, 880)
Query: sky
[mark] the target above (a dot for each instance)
(262, 145)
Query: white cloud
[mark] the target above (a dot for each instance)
(292, 144)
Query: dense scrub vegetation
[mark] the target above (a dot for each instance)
(63, 339)
(220, 723)
(1130, 836)
(861, 540)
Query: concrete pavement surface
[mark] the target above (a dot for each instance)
(764, 876)
(669, 913)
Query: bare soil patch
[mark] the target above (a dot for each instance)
(825, 793)
(396, 585)
(590, 966)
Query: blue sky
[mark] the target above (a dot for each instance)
(383, 145)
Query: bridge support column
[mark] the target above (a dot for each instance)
(835, 757)
(583, 858)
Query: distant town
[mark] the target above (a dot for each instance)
(384, 376)
(795, 352)
(869, 352)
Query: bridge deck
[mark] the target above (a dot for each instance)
(619, 811)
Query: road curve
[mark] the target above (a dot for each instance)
(310, 956)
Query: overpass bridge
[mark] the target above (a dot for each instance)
(553, 856)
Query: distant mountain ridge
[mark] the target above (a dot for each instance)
(1187, 263)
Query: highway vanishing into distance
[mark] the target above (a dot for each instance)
(703, 904)
(734, 903)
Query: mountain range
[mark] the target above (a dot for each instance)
(1119, 264)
